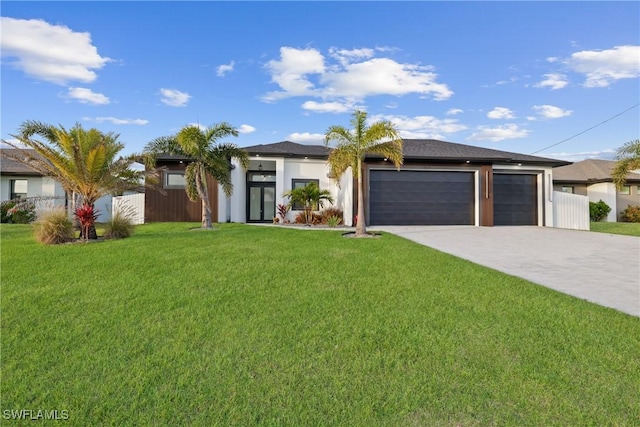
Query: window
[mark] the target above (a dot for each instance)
(18, 189)
(298, 183)
(567, 189)
(174, 180)
(626, 189)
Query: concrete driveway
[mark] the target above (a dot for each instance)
(598, 267)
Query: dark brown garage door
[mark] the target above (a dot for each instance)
(515, 199)
(421, 198)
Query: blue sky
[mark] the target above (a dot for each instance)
(515, 76)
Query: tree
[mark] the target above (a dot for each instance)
(310, 197)
(208, 158)
(353, 145)
(628, 160)
(84, 161)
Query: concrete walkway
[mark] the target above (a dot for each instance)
(598, 267)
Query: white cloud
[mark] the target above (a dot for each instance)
(327, 107)
(551, 112)
(116, 121)
(48, 52)
(246, 129)
(87, 96)
(606, 154)
(345, 56)
(290, 72)
(198, 125)
(174, 98)
(552, 59)
(499, 133)
(224, 69)
(500, 113)
(424, 127)
(383, 76)
(603, 67)
(553, 81)
(454, 111)
(306, 138)
(355, 76)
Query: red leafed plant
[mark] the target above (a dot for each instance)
(86, 216)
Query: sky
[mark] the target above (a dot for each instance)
(554, 79)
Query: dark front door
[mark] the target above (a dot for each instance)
(515, 199)
(421, 197)
(261, 202)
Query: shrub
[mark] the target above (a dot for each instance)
(120, 226)
(283, 210)
(5, 218)
(330, 212)
(598, 210)
(302, 219)
(334, 221)
(54, 227)
(18, 211)
(86, 216)
(631, 214)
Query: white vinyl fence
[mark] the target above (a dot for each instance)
(131, 205)
(570, 211)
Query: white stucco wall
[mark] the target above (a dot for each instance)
(37, 186)
(286, 169)
(606, 192)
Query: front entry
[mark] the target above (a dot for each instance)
(261, 203)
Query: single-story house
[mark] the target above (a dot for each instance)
(440, 183)
(19, 181)
(593, 178)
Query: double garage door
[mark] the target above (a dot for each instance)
(447, 198)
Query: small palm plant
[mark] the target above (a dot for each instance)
(311, 197)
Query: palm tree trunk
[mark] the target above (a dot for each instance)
(360, 226)
(204, 196)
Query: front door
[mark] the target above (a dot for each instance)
(261, 206)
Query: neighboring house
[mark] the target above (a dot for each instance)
(593, 178)
(440, 183)
(19, 181)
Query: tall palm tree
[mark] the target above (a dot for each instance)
(208, 158)
(628, 157)
(353, 145)
(85, 162)
(311, 197)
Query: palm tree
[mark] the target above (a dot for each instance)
(628, 157)
(207, 159)
(311, 197)
(353, 145)
(84, 162)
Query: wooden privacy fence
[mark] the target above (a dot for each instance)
(131, 205)
(570, 211)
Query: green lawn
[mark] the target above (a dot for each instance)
(270, 326)
(628, 228)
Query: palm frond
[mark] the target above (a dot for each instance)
(628, 157)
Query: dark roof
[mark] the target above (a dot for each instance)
(9, 166)
(289, 149)
(435, 150)
(414, 149)
(589, 171)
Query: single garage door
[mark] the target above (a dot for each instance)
(421, 198)
(515, 199)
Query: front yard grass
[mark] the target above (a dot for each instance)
(626, 228)
(249, 325)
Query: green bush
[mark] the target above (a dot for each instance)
(598, 210)
(120, 226)
(631, 214)
(18, 211)
(54, 227)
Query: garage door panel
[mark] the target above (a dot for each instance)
(515, 199)
(421, 198)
